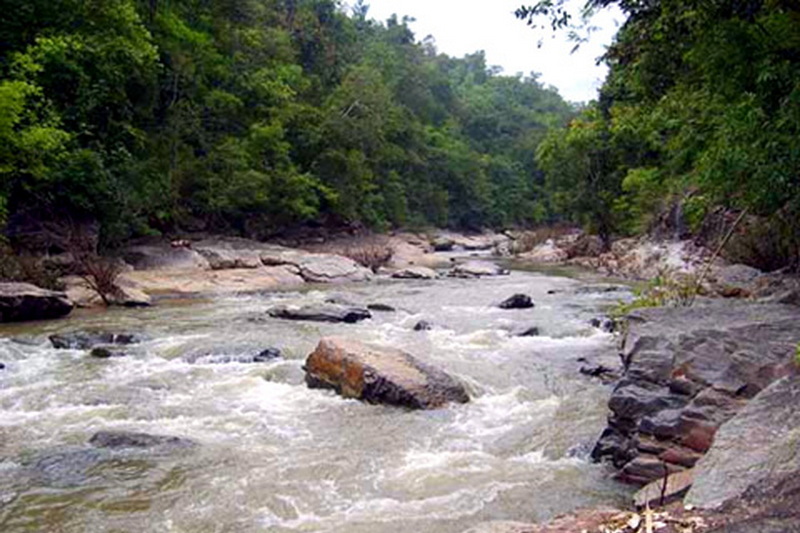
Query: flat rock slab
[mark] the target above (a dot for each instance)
(477, 269)
(321, 313)
(415, 272)
(23, 301)
(670, 490)
(378, 374)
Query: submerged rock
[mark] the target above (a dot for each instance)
(686, 372)
(2, 366)
(477, 269)
(126, 439)
(264, 356)
(530, 332)
(518, 301)
(377, 374)
(423, 325)
(84, 340)
(415, 272)
(321, 313)
(23, 301)
(381, 308)
(106, 352)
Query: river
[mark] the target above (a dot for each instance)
(275, 456)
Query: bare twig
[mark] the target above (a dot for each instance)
(718, 251)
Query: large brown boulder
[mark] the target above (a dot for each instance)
(378, 374)
(23, 301)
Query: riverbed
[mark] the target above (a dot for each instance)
(274, 455)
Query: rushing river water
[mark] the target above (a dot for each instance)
(275, 456)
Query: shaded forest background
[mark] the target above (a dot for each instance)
(253, 116)
(250, 116)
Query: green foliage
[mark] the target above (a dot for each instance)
(254, 115)
(665, 290)
(702, 101)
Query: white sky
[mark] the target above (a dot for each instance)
(465, 26)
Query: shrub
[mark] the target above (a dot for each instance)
(370, 255)
(665, 290)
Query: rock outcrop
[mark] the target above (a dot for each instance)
(380, 375)
(686, 372)
(321, 313)
(23, 301)
(757, 450)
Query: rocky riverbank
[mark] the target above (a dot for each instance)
(706, 414)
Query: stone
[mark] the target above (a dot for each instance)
(130, 297)
(530, 332)
(757, 449)
(477, 269)
(22, 302)
(321, 313)
(665, 490)
(687, 371)
(547, 252)
(443, 244)
(381, 308)
(85, 340)
(377, 374)
(2, 366)
(327, 268)
(223, 258)
(125, 439)
(106, 352)
(645, 468)
(517, 301)
(423, 325)
(598, 371)
(415, 272)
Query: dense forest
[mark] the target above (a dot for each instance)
(250, 116)
(701, 108)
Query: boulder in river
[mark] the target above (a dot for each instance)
(23, 301)
(415, 272)
(687, 371)
(85, 340)
(477, 269)
(378, 374)
(517, 301)
(321, 313)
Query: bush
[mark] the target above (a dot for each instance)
(370, 255)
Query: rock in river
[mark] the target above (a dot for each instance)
(415, 272)
(476, 269)
(84, 340)
(23, 301)
(518, 301)
(126, 439)
(378, 374)
(423, 325)
(321, 313)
